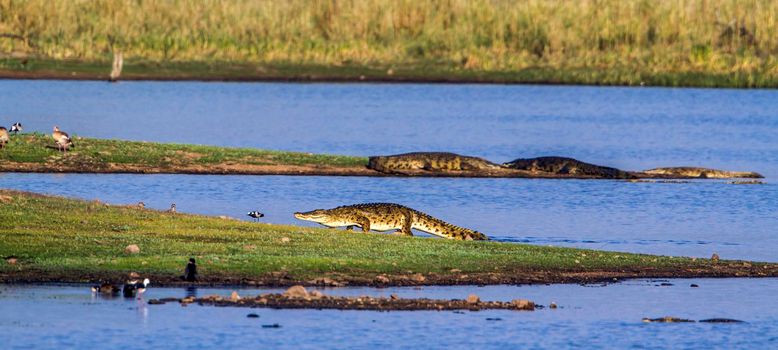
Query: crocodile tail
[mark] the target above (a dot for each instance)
(440, 228)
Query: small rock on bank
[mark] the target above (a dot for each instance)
(132, 249)
(296, 292)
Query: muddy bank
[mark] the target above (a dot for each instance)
(297, 297)
(709, 268)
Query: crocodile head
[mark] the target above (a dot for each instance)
(320, 216)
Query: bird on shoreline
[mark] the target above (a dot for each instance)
(172, 208)
(17, 127)
(255, 214)
(3, 137)
(133, 288)
(62, 139)
(141, 205)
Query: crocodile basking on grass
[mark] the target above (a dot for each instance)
(567, 166)
(703, 173)
(388, 217)
(429, 161)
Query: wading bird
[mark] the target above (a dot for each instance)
(105, 288)
(62, 139)
(3, 137)
(17, 127)
(256, 215)
(132, 288)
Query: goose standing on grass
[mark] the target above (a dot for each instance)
(16, 128)
(132, 288)
(62, 139)
(256, 215)
(3, 137)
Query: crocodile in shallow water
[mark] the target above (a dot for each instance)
(388, 217)
(567, 166)
(429, 161)
(704, 173)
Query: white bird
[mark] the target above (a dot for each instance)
(62, 139)
(255, 214)
(17, 127)
(3, 137)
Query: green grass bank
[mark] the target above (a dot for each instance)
(35, 152)
(712, 43)
(52, 239)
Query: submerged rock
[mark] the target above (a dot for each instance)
(667, 319)
(721, 320)
(316, 300)
(252, 316)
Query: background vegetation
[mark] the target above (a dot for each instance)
(681, 42)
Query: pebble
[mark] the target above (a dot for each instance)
(552, 305)
(382, 279)
(473, 299)
(132, 249)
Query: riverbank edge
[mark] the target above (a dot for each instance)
(722, 269)
(30, 244)
(32, 68)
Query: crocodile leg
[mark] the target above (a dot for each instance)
(364, 223)
(407, 223)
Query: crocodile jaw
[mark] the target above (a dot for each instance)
(319, 216)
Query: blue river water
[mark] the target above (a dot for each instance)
(629, 128)
(588, 317)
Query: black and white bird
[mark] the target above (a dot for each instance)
(132, 288)
(172, 208)
(17, 127)
(255, 214)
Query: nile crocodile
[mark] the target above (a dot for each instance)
(429, 161)
(704, 173)
(388, 217)
(567, 166)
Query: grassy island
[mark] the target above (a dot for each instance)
(44, 238)
(37, 152)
